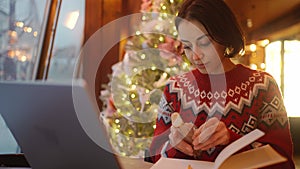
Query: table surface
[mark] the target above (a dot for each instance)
(125, 163)
(131, 163)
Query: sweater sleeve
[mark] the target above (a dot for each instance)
(160, 146)
(274, 122)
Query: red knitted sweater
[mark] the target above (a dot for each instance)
(242, 98)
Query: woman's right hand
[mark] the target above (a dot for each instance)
(177, 141)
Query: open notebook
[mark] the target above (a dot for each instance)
(56, 124)
(254, 158)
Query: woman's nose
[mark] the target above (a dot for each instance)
(197, 53)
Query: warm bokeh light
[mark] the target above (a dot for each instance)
(71, 19)
(20, 24)
(252, 47)
(263, 43)
(253, 66)
(262, 65)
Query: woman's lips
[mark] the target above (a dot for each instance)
(201, 65)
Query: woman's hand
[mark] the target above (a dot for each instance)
(177, 141)
(210, 134)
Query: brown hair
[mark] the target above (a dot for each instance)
(218, 20)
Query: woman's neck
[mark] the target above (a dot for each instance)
(225, 65)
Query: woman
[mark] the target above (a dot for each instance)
(218, 92)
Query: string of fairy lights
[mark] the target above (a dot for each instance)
(20, 54)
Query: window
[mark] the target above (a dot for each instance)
(273, 60)
(21, 30)
(291, 73)
(22, 34)
(68, 40)
(286, 65)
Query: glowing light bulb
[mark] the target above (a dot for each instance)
(252, 47)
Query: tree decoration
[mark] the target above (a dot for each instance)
(132, 96)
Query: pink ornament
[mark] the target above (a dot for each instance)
(171, 50)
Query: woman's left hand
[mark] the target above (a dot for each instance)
(210, 134)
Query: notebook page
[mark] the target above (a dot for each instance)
(237, 145)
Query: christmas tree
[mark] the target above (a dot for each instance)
(132, 96)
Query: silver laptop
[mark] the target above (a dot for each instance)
(56, 125)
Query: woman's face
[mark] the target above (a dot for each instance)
(202, 51)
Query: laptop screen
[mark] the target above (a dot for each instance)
(56, 125)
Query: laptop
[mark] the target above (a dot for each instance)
(56, 125)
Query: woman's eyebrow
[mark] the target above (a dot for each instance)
(200, 37)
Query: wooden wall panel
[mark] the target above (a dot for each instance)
(93, 17)
(98, 14)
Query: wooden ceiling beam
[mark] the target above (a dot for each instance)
(283, 22)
